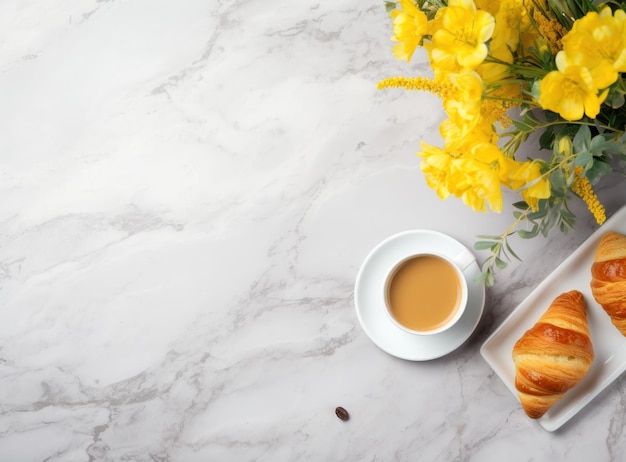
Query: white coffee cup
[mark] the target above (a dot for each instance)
(426, 293)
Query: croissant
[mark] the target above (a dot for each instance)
(553, 355)
(608, 278)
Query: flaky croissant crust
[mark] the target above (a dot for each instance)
(611, 246)
(608, 278)
(553, 355)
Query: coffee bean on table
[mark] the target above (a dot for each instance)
(342, 413)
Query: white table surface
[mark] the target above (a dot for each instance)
(188, 191)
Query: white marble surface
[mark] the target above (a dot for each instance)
(188, 191)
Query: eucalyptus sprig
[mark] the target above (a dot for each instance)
(501, 253)
(550, 214)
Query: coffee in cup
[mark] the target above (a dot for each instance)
(425, 293)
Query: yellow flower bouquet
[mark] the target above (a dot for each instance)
(505, 69)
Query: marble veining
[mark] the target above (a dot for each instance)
(188, 191)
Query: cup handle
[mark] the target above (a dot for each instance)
(464, 259)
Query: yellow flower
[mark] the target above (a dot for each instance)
(463, 106)
(409, 27)
(477, 186)
(571, 93)
(511, 20)
(485, 189)
(455, 139)
(477, 175)
(527, 178)
(460, 40)
(598, 42)
(436, 168)
(483, 168)
(490, 6)
(474, 175)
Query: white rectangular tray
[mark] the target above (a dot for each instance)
(609, 345)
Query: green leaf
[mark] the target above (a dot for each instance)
(547, 138)
(549, 115)
(615, 98)
(536, 215)
(501, 263)
(571, 177)
(523, 126)
(524, 234)
(390, 6)
(583, 158)
(558, 181)
(489, 279)
(522, 205)
(510, 250)
(528, 124)
(564, 227)
(614, 147)
(597, 145)
(582, 140)
(535, 90)
(482, 245)
(598, 170)
(552, 218)
(489, 237)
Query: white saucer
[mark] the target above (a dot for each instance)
(369, 297)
